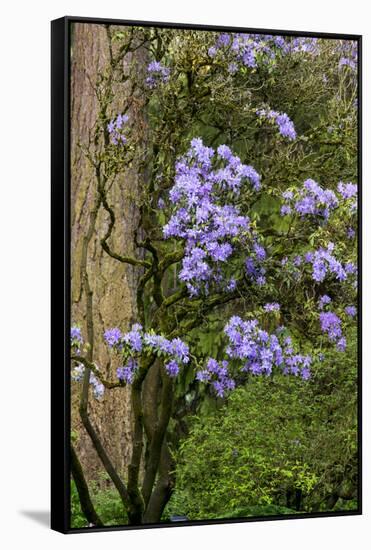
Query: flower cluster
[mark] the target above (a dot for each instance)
(254, 265)
(348, 51)
(157, 74)
(324, 262)
(136, 341)
(251, 349)
(273, 306)
(127, 372)
(324, 301)
(210, 227)
(116, 129)
(331, 325)
(260, 351)
(77, 375)
(76, 338)
(351, 311)
(217, 374)
(113, 336)
(349, 192)
(250, 50)
(302, 44)
(285, 125)
(310, 200)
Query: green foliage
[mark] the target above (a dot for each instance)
(275, 443)
(106, 501)
(278, 445)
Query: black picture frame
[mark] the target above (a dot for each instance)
(61, 271)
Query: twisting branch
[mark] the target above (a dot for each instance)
(164, 488)
(86, 503)
(89, 365)
(158, 437)
(136, 508)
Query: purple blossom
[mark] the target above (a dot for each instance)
(259, 352)
(231, 285)
(347, 190)
(172, 368)
(202, 218)
(161, 204)
(113, 336)
(127, 372)
(255, 271)
(157, 74)
(282, 120)
(331, 325)
(351, 311)
(348, 51)
(351, 233)
(134, 338)
(350, 268)
(305, 373)
(116, 129)
(323, 301)
(341, 344)
(259, 252)
(273, 306)
(76, 336)
(218, 375)
(137, 342)
(77, 374)
(311, 200)
(324, 263)
(212, 51)
(98, 387)
(251, 50)
(285, 210)
(180, 350)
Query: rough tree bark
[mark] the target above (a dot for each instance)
(112, 283)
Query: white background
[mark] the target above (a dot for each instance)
(24, 274)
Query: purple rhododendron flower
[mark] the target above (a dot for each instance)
(351, 311)
(76, 336)
(127, 372)
(272, 307)
(78, 372)
(347, 190)
(77, 375)
(331, 324)
(217, 374)
(157, 74)
(259, 350)
(116, 129)
(311, 200)
(250, 50)
(113, 336)
(134, 338)
(324, 263)
(323, 301)
(282, 120)
(172, 368)
(341, 344)
(201, 218)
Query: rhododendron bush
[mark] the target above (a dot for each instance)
(245, 253)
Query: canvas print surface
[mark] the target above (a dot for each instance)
(214, 370)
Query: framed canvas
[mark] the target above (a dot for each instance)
(206, 320)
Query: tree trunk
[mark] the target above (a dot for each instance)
(113, 284)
